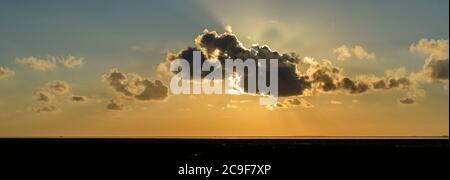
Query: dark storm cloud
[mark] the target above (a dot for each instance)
(321, 77)
(187, 54)
(227, 46)
(226, 43)
(78, 98)
(290, 81)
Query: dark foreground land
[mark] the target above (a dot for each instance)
(287, 157)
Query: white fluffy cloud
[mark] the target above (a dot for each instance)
(438, 49)
(361, 53)
(436, 67)
(50, 63)
(38, 63)
(71, 61)
(344, 52)
(335, 102)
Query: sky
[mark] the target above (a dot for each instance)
(99, 68)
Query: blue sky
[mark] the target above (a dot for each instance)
(97, 28)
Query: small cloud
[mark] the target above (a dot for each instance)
(228, 29)
(71, 61)
(343, 53)
(136, 87)
(335, 102)
(78, 98)
(48, 95)
(45, 109)
(297, 102)
(239, 101)
(290, 103)
(49, 63)
(281, 105)
(270, 108)
(361, 53)
(115, 105)
(278, 105)
(416, 93)
(59, 87)
(38, 63)
(6, 72)
(44, 96)
(231, 106)
(406, 100)
(164, 69)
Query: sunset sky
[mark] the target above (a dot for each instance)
(58, 58)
